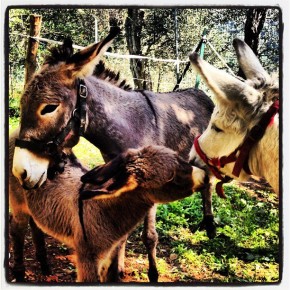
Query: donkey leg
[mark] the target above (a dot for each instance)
(113, 274)
(150, 240)
(208, 222)
(87, 267)
(18, 229)
(40, 249)
(121, 257)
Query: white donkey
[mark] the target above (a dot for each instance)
(242, 138)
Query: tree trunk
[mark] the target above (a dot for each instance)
(30, 62)
(253, 27)
(133, 26)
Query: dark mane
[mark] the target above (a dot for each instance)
(63, 53)
(60, 53)
(104, 73)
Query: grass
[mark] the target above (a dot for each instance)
(246, 248)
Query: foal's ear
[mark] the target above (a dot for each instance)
(82, 63)
(250, 64)
(108, 180)
(225, 86)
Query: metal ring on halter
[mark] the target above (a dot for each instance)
(74, 111)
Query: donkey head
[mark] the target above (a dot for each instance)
(153, 167)
(239, 104)
(48, 103)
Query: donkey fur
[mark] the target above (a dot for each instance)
(105, 221)
(239, 107)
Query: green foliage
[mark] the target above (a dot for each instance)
(13, 123)
(246, 248)
(158, 38)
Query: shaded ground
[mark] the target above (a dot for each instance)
(172, 266)
(62, 262)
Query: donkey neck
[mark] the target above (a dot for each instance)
(117, 119)
(120, 214)
(264, 157)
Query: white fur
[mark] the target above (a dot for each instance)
(198, 176)
(239, 106)
(34, 166)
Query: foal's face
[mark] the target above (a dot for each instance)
(48, 104)
(239, 105)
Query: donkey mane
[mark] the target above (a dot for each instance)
(64, 52)
(101, 72)
(60, 53)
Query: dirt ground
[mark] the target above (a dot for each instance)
(62, 262)
(61, 259)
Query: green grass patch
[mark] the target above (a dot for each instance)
(246, 248)
(89, 155)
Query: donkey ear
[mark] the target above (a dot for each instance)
(224, 86)
(82, 63)
(103, 173)
(250, 64)
(108, 180)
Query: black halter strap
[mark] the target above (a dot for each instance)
(52, 147)
(82, 101)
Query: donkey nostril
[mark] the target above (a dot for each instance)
(24, 175)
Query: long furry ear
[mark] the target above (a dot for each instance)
(225, 87)
(250, 64)
(60, 53)
(108, 180)
(103, 173)
(82, 63)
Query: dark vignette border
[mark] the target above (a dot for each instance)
(6, 130)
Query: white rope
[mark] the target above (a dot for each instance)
(221, 59)
(128, 56)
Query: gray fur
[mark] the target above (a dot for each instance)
(117, 120)
(106, 221)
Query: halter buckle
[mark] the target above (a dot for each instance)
(83, 91)
(51, 148)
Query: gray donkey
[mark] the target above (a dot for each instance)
(112, 118)
(124, 190)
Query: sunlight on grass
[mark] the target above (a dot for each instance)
(246, 248)
(89, 155)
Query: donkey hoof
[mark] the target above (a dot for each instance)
(18, 274)
(153, 275)
(45, 269)
(121, 275)
(209, 225)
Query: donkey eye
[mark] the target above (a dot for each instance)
(48, 109)
(215, 128)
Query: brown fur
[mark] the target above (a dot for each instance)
(105, 221)
(116, 121)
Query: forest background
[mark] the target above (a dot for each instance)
(247, 246)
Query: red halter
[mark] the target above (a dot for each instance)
(241, 159)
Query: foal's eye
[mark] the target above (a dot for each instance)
(48, 109)
(217, 129)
